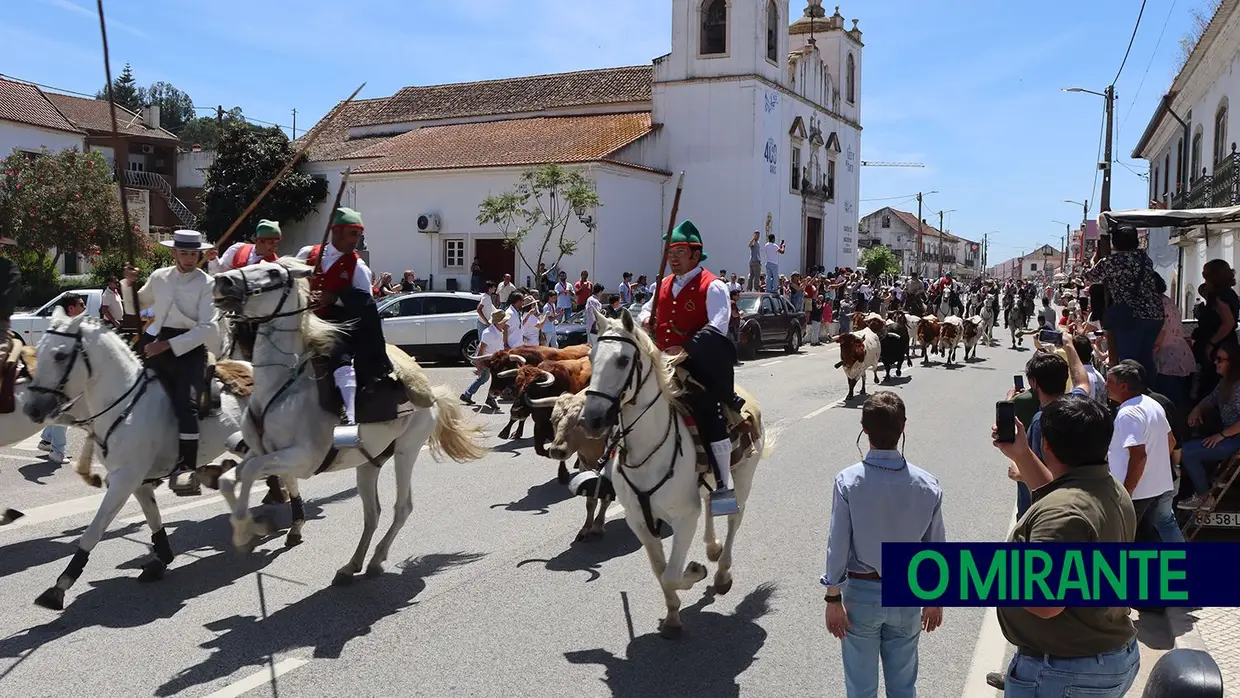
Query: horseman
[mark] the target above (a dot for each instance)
(182, 313)
(341, 288)
(242, 254)
(693, 315)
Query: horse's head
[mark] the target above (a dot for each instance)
(261, 292)
(65, 369)
(620, 366)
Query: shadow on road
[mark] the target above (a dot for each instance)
(326, 620)
(539, 498)
(37, 470)
(589, 556)
(714, 651)
(512, 446)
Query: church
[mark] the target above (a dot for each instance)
(761, 113)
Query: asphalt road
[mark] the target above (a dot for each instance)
(487, 592)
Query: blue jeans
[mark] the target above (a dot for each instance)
(1158, 514)
(1024, 499)
(1194, 455)
(1135, 340)
(482, 378)
(1174, 388)
(875, 632)
(1100, 676)
(55, 435)
(772, 277)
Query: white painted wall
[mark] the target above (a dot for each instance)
(309, 230)
(192, 168)
(14, 136)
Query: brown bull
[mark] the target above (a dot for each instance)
(503, 366)
(928, 337)
(569, 440)
(549, 379)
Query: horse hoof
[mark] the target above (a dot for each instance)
(274, 496)
(713, 552)
(374, 571)
(94, 480)
(696, 571)
(583, 535)
(342, 579)
(671, 632)
(152, 571)
(722, 588)
(563, 475)
(53, 599)
(263, 526)
(292, 540)
(503, 433)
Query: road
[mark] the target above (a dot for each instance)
(487, 593)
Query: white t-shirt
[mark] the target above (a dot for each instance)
(549, 311)
(492, 339)
(514, 328)
(529, 329)
(564, 295)
(112, 301)
(488, 307)
(1097, 386)
(772, 253)
(1141, 421)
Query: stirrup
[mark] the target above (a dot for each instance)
(723, 503)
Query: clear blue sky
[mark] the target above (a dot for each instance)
(971, 88)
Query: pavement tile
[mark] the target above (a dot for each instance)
(1219, 631)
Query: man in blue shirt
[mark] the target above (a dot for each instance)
(884, 498)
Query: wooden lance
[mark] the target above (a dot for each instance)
(314, 135)
(667, 245)
(331, 215)
(120, 148)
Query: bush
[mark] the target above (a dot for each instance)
(39, 276)
(112, 263)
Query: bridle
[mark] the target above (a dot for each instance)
(246, 291)
(79, 349)
(634, 382)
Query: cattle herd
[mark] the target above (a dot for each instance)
(893, 341)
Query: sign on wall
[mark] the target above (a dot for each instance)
(772, 155)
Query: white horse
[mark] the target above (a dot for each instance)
(987, 314)
(83, 364)
(1017, 319)
(290, 435)
(632, 389)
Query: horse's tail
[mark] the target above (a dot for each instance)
(82, 465)
(453, 435)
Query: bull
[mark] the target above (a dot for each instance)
(972, 329)
(571, 440)
(549, 379)
(858, 351)
(950, 334)
(503, 366)
(904, 325)
(928, 337)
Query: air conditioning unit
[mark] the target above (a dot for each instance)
(428, 223)
(148, 149)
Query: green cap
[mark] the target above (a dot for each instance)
(347, 216)
(267, 230)
(686, 233)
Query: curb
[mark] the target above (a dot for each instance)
(1191, 640)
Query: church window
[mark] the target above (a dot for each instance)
(829, 181)
(796, 169)
(714, 27)
(772, 32)
(850, 80)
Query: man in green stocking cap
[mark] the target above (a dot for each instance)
(341, 288)
(264, 248)
(692, 317)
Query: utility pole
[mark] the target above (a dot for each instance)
(939, 248)
(921, 269)
(294, 125)
(1063, 252)
(219, 115)
(1106, 169)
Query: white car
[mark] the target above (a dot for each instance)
(32, 325)
(432, 323)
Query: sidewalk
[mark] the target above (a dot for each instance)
(1215, 630)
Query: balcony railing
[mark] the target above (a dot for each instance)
(1221, 188)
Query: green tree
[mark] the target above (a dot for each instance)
(246, 160)
(880, 260)
(206, 130)
(125, 91)
(543, 203)
(65, 201)
(176, 109)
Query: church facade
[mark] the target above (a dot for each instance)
(760, 113)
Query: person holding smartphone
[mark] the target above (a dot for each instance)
(772, 262)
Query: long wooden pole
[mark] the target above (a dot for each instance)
(331, 215)
(120, 148)
(220, 244)
(667, 244)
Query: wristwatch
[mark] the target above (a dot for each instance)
(833, 598)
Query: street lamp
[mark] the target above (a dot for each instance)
(1063, 243)
(1105, 166)
(939, 251)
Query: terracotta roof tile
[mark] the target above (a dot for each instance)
(93, 116)
(334, 142)
(910, 220)
(560, 139)
(24, 103)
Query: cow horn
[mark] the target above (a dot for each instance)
(484, 357)
(546, 380)
(543, 402)
(518, 358)
(505, 374)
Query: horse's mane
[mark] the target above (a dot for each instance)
(108, 338)
(664, 369)
(319, 335)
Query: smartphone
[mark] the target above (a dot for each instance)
(1019, 382)
(1005, 421)
(1050, 337)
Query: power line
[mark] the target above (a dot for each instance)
(1098, 158)
(1130, 40)
(1153, 55)
(890, 198)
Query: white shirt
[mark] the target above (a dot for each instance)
(112, 302)
(1141, 421)
(229, 258)
(625, 291)
(491, 341)
(1097, 386)
(488, 308)
(514, 328)
(772, 253)
(551, 313)
(564, 294)
(529, 328)
(506, 290)
(592, 304)
(865, 291)
(362, 279)
(718, 302)
(180, 301)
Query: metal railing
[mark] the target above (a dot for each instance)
(157, 183)
(1212, 190)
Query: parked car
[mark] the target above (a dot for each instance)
(434, 324)
(33, 324)
(768, 321)
(572, 329)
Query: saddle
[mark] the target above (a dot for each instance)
(742, 426)
(379, 401)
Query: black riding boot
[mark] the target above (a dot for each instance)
(183, 480)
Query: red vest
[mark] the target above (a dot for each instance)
(336, 278)
(242, 256)
(681, 316)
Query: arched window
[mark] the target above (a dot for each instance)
(1220, 132)
(1195, 171)
(772, 32)
(850, 80)
(1179, 164)
(714, 27)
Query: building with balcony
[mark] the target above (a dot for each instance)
(1190, 146)
(1042, 264)
(941, 251)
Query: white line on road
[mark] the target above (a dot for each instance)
(989, 651)
(259, 678)
(56, 510)
(141, 518)
(824, 408)
(30, 444)
(772, 362)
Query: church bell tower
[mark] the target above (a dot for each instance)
(719, 38)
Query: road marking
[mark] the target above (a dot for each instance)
(259, 678)
(824, 408)
(141, 518)
(764, 364)
(989, 651)
(29, 444)
(56, 510)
